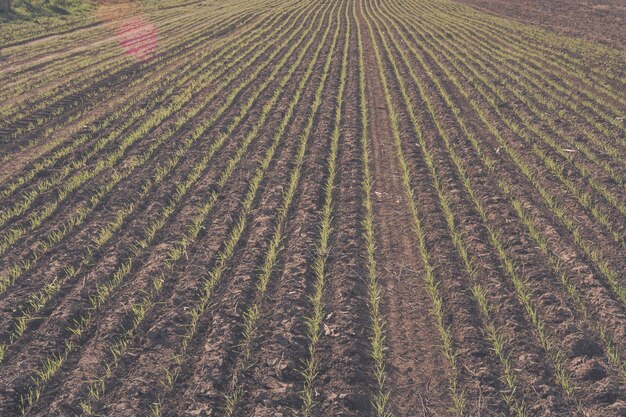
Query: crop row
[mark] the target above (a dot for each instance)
(549, 198)
(182, 97)
(431, 279)
(109, 60)
(37, 301)
(34, 71)
(314, 321)
(252, 314)
(225, 218)
(67, 103)
(380, 396)
(532, 229)
(21, 33)
(508, 264)
(105, 290)
(176, 253)
(148, 81)
(522, 81)
(161, 170)
(563, 65)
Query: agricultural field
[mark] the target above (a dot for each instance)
(252, 208)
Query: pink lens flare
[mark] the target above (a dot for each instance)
(136, 35)
(138, 38)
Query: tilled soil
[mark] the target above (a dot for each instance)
(186, 195)
(599, 20)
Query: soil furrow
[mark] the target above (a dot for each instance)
(357, 208)
(416, 367)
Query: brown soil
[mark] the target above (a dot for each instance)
(485, 119)
(416, 369)
(596, 21)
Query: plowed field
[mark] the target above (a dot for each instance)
(315, 208)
